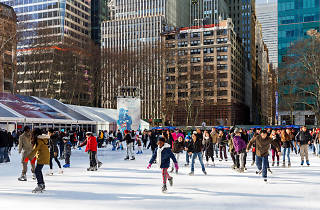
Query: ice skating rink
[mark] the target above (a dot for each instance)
(123, 184)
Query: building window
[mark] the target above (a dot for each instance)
(208, 59)
(195, 34)
(195, 51)
(208, 84)
(169, 95)
(183, 94)
(222, 40)
(195, 60)
(182, 36)
(183, 77)
(183, 69)
(222, 75)
(222, 49)
(208, 33)
(222, 66)
(208, 93)
(223, 84)
(222, 58)
(195, 93)
(208, 41)
(208, 50)
(171, 86)
(171, 70)
(222, 32)
(195, 43)
(182, 44)
(182, 52)
(195, 68)
(208, 68)
(222, 92)
(183, 86)
(170, 78)
(195, 85)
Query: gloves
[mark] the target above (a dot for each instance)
(26, 160)
(149, 166)
(176, 166)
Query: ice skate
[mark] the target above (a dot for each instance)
(204, 172)
(187, 164)
(133, 158)
(50, 173)
(127, 158)
(172, 169)
(273, 163)
(22, 178)
(265, 180)
(252, 164)
(191, 173)
(164, 188)
(278, 163)
(60, 171)
(66, 166)
(33, 176)
(241, 170)
(308, 164)
(289, 164)
(283, 164)
(269, 170)
(259, 172)
(302, 162)
(39, 189)
(171, 181)
(99, 164)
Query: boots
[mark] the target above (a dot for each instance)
(308, 164)
(22, 178)
(164, 188)
(50, 173)
(170, 181)
(302, 162)
(39, 188)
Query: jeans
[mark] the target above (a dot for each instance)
(6, 154)
(262, 163)
(61, 148)
(187, 158)
(286, 151)
(67, 158)
(194, 156)
(92, 156)
(39, 174)
(224, 150)
(215, 149)
(2, 154)
(130, 150)
(317, 148)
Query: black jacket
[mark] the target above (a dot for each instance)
(195, 147)
(4, 139)
(153, 141)
(178, 146)
(128, 138)
(303, 137)
(53, 143)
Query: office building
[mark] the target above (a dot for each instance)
(8, 48)
(203, 76)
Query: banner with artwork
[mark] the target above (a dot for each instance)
(129, 114)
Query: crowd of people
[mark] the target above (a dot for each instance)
(41, 147)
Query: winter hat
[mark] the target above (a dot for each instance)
(88, 133)
(237, 130)
(195, 132)
(161, 138)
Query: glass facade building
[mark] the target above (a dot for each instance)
(295, 18)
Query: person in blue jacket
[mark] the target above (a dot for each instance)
(163, 154)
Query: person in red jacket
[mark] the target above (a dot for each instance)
(91, 148)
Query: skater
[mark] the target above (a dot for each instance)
(286, 139)
(177, 149)
(67, 152)
(42, 154)
(222, 142)
(120, 140)
(53, 148)
(153, 141)
(139, 143)
(276, 138)
(129, 140)
(214, 136)
(25, 148)
(263, 142)
(304, 139)
(208, 148)
(163, 154)
(186, 146)
(91, 148)
(239, 148)
(317, 143)
(145, 138)
(195, 149)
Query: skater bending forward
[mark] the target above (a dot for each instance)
(263, 142)
(163, 154)
(42, 154)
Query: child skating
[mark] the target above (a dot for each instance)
(163, 154)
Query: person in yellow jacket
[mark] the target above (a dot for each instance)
(42, 154)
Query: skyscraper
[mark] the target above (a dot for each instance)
(48, 31)
(268, 17)
(134, 25)
(205, 12)
(295, 18)
(99, 13)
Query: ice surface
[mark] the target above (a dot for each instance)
(123, 184)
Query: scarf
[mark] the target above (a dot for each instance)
(159, 152)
